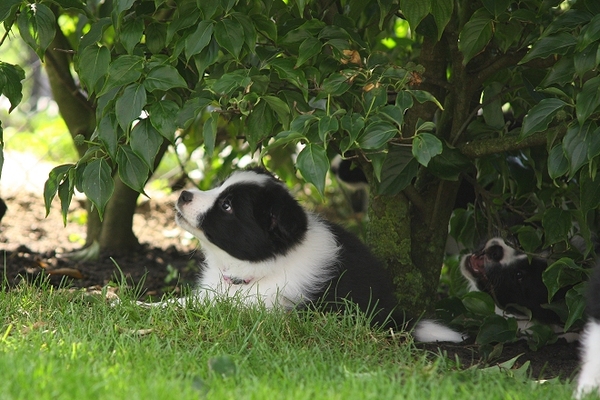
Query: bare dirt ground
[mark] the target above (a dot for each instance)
(34, 247)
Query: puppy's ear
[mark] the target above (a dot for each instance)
(285, 219)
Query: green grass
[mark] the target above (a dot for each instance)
(65, 345)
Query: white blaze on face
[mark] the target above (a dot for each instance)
(509, 255)
(190, 213)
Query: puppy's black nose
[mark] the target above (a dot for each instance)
(185, 197)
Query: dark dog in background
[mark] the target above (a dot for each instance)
(511, 278)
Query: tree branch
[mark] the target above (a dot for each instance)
(486, 147)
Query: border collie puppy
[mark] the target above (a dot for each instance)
(589, 377)
(260, 245)
(511, 278)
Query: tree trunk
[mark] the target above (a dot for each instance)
(117, 227)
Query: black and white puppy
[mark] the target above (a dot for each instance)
(589, 376)
(511, 278)
(260, 245)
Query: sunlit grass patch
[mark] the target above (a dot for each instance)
(66, 344)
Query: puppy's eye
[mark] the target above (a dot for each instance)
(520, 274)
(226, 206)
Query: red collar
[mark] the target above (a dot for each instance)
(232, 280)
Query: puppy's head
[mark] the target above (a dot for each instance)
(512, 278)
(252, 216)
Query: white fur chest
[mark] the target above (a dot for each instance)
(285, 280)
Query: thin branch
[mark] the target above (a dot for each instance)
(415, 198)
(486, 147)
(473, 113)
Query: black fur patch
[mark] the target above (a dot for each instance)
(593, 294)
(263, 221)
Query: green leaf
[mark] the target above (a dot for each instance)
(475, 35)
(422, 96)
(122, 5)
(376, 135)
(265, 25)
(335, 85)
(557, 224)
(590, 33)
(209, 133)
(94, 35)
(186, 15)
(156, 37)
(562, 273)
(281, 139)
(56, 176)
(308, 49)
(6, 7)
(98, 184)
(10, 83)
(131, 33)
(576, 302)
(449, 164)
(497, 329)
(161, 117)
(249, 30)
(479, 303)
(65, 194)
(163, 77)
(327, 124)
(130, 104)
(199, 39)
(208, 8)
(259, 124)
(425, 146)
(558, 165)
(207, 57)
(230, 82)
(496, 7)
(539, 116)
(561, 73)
(353, 125)
(37, 26)
(286, 71)
(577, 144)
(442, 12)
(313, 164)
(92, 65)
(589, 192)
(132, 170)
(398, 170)
(107, 131)
(230, 36)
(588, 100)
(145, 142)
(529, 238)
(492, 111)
(585, 61)
(415, 11)
(122, 71)
(280, 108)
(560, 43)
(190, 111)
